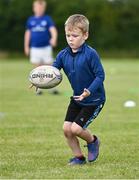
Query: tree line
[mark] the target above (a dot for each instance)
(114, 24)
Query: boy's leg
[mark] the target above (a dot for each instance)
(78, 128)
(92, 141)
(72, 139)
(84, 118)
(82, 133)
(73, 112)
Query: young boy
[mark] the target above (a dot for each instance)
(84, 70)
(40, 36)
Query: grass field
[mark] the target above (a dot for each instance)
(32, 144)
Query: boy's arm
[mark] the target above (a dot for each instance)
(98, 70)
(58, 62)
(53, 32)
(26, 42)
(85, 94)
(99, 73)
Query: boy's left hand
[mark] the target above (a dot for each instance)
(85, 94)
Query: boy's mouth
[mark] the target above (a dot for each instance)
(71, 44)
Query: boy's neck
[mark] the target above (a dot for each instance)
(39, 15)
(76, 50)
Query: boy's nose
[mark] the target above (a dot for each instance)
(70, 39)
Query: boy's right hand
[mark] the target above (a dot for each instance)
(85, 94)
(27, 51)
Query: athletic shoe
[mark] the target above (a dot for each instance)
(54, 91)
(93, 150)
(76, 161)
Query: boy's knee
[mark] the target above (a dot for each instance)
(67, 131)
(76, 129)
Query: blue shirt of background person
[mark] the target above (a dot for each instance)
(39, 28)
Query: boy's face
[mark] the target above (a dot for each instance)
(75, 38)
(39, 8)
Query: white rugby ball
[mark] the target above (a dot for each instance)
(45, 77)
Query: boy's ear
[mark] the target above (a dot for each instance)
(86, 35)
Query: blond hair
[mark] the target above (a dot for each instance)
(78, 21)
(40, 2)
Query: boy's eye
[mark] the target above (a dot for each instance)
(67, 35)
(73, 35)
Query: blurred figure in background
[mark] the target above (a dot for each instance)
(40, 37)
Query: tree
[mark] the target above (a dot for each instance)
(114, 24)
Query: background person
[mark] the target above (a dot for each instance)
(40, 37)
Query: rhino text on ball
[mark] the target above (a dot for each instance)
(42, 75)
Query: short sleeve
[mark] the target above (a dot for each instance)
(28, 25)
(50, 22)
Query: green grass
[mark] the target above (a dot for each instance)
(32, 143)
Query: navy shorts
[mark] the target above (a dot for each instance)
(82, 115)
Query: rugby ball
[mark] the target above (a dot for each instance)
(45, 77)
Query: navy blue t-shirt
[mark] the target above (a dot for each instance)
(39, 28)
